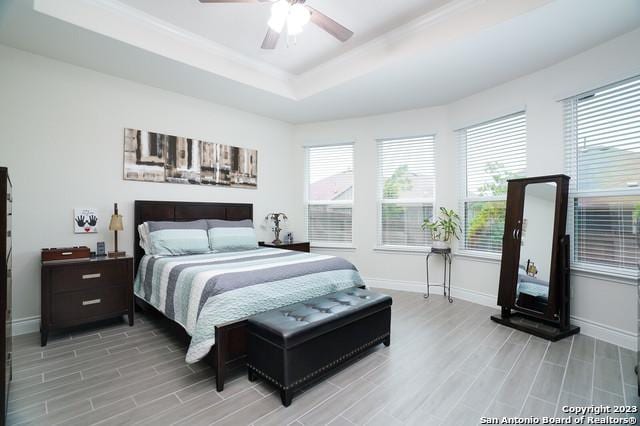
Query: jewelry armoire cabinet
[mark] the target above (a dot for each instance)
(534, 293)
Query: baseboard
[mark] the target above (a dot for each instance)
(418, 287)
(588, 327)
(25, 325)
(607, 333)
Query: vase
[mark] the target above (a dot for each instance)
(437, 244)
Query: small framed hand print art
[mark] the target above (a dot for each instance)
(85, 221)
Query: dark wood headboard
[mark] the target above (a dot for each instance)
(183, 211)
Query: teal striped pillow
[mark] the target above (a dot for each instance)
(178, 238)
(232, 239)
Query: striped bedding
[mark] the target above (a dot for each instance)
(204, 290)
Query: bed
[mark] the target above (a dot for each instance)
(210, 295)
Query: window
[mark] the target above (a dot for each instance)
(406, 187)
(492, 153)
(330, 194)
(602, 134)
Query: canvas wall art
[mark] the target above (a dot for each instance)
(155, 157)
(85, 221)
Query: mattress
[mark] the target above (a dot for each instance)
(202, 291)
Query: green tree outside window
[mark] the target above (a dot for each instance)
(490, 217)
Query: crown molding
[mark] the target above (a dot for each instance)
(197, 40)
(119, 21)
(433, 30)
(409, 29)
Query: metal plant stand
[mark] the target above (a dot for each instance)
(446, 255)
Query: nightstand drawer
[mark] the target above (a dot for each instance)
(86, 276)
(80, 291)
(81, 306)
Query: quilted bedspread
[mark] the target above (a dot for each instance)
(202, 291)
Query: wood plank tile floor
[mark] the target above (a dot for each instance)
(447, 364)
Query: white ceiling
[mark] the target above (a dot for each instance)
(242, 26)
(454, 49)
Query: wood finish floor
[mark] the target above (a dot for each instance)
(447, 364)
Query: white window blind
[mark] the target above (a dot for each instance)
(406, 190)
(491, 153)
(329, 175)
(602, 135)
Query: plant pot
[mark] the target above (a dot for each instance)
(440, 244)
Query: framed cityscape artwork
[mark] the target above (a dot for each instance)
(156, 157)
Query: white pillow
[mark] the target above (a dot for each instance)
(170, 238)
(232, 239)
(143, 232)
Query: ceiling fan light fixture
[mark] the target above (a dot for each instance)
(279, 14)
(299, 16)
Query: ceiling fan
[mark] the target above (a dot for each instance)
(293, 14)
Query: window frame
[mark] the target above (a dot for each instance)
(465, 199)
(570, 136)
(380, 201)
(307, 202)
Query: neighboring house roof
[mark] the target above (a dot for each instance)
(335, 186)
(595, 176)
(332, 187)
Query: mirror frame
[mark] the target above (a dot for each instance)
(558, 277)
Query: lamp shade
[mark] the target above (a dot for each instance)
(116, 223)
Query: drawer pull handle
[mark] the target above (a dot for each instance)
(66, 253)
(91, 276)
(91, 302)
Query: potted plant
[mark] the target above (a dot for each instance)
(443, 228)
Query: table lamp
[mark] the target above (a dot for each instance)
(276, 221)
(116, 225)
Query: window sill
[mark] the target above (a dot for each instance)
(421, 251)
(628, 278)
(479, 256)
(332, 247)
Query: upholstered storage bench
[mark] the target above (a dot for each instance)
(294, 344)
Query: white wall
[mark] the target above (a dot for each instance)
(364, 132)
(603, 306)
(62, 138)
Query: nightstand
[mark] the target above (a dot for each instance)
(81, 291)
(296, 246)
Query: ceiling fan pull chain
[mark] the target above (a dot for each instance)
(291, 40)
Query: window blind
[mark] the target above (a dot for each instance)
(491, 153)
(329, 175)
(406, 190)
(602, 139)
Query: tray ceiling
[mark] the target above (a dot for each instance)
(405, 54)
(242, 26)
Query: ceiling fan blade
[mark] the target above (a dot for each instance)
(271, 39)
(329, 25)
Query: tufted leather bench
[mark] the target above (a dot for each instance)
(292, 345)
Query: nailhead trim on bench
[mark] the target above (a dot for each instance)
(321, 369)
